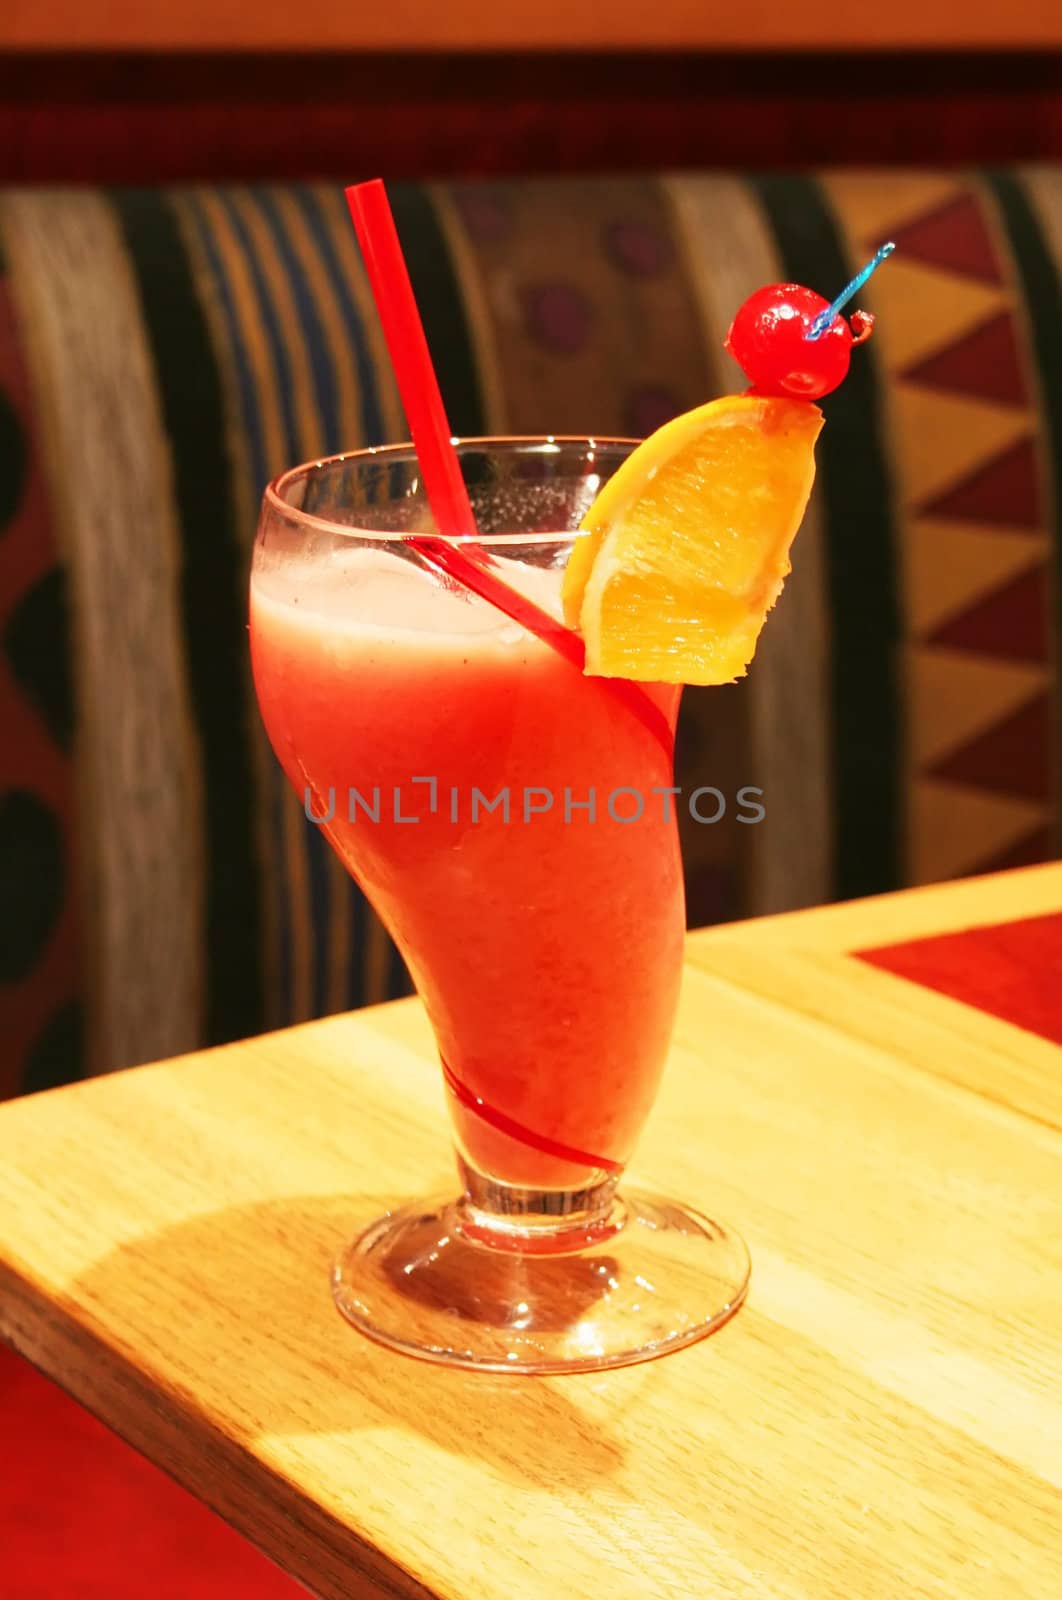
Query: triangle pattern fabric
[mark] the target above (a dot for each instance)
(1013, 757)
(944, 439)
(959, 695)
(954, 236)
(956, 829)
(920, 308)
(948, 566)
(1012, 622)
(1004, 492)
(986, 364)
(952, 342)
(875, 205)
(1028, 851)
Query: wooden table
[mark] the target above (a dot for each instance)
(883, 1418)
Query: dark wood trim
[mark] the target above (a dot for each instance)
(147, 118)
(309, 76)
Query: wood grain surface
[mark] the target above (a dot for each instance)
(882, 1420)
(545, 24)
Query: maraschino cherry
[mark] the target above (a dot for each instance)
(789, 341)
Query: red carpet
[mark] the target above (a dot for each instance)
(1011, 970)
(83, 1517)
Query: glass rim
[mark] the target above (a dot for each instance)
(531, 443)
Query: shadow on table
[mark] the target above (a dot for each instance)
(233, 1308)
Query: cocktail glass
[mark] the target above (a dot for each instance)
(513, 823)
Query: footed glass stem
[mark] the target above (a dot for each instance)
(518, 1280)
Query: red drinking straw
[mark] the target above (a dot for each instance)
(444, 485)
(426, 415)
(408, 349)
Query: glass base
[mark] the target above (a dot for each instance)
(446, 1282)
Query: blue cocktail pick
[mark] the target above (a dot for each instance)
(824, 318)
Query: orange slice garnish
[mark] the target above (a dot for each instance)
(686, 548)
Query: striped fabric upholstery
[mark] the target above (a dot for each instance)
(163, 353)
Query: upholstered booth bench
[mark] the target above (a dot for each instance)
(163, 353)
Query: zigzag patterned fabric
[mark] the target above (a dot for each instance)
(163, 353)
